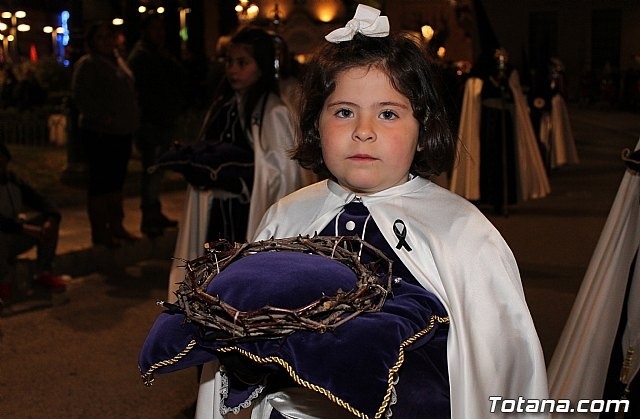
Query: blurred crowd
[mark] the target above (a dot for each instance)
(21, 92)
(135, 97)
(28, 85)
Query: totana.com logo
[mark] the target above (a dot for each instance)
(522, 405)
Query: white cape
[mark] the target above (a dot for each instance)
(563, 144)
(493, 347)
(556, 135)
(580, 361)
(465, 178)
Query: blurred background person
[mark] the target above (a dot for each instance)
(160, 83)
(104, 94)
(27, 219)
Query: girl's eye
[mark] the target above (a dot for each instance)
(388, 115)
(344, 113)
(240, 62)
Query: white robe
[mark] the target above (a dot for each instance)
(563, 144)
(493, 348)
(275, 176)
(465, 177)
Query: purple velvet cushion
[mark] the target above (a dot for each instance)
(207, 165)
(353, 364)
(280, 279)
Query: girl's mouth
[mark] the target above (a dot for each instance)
(361, 157)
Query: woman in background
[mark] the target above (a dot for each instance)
(104, 94)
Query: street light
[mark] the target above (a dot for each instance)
(55, 32)
(143, 9)
(13, 28)
(246, 11)
(427, 32)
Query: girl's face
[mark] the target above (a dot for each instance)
(241, 68)
(367, 131)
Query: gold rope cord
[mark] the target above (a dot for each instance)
(148, 378)
(327, 393)
(393, 370)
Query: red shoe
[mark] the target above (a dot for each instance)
(51, 282)
(5, 292)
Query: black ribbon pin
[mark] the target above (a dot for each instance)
(401, 234)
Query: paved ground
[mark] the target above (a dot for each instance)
(78, 360)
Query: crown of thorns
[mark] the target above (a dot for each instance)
(374, 283)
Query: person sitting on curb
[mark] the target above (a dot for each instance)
(19, 233)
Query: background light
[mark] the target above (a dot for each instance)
(427, 32)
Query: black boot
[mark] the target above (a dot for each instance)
(116, 217)
(154, 222)
(101, 234)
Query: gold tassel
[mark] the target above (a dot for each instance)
(620, 414)
(624, 378)
(626, 366)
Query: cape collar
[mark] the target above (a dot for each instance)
(344, 196)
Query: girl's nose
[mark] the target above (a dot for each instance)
(364, 132)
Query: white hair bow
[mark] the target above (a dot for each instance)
(366, 21)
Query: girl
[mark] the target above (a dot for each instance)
(372, 120)
(247, 116)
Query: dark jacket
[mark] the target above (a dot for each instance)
(17, 197)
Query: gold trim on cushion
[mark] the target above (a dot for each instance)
(335, 399)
